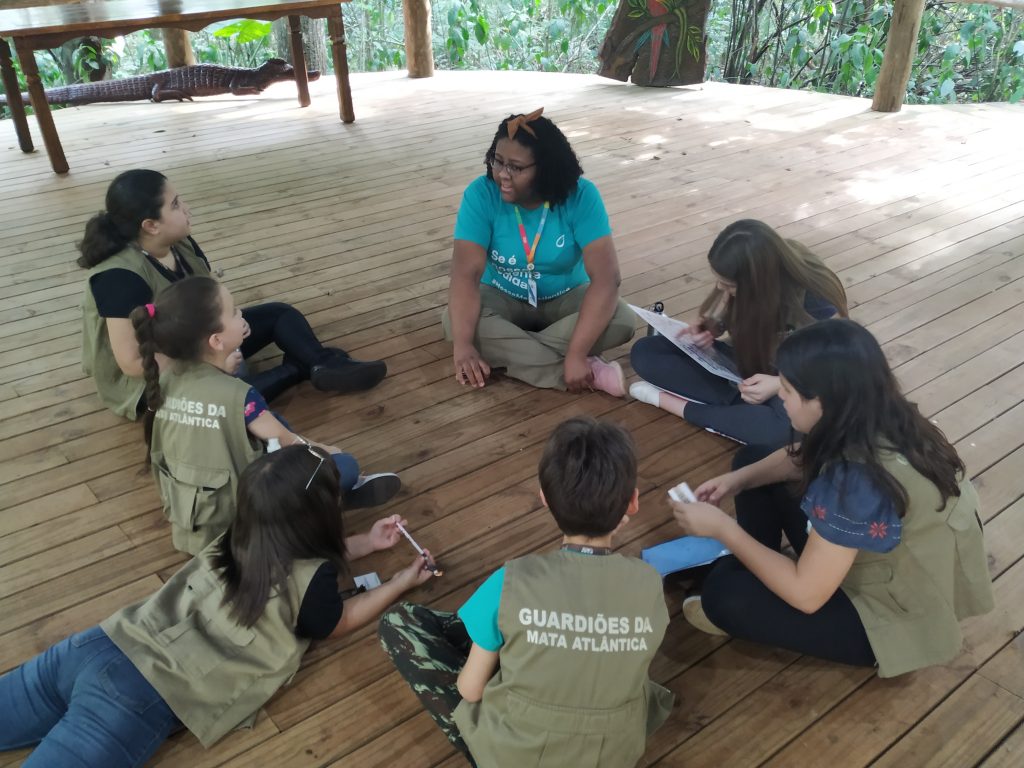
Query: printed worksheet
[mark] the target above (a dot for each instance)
(708, 359)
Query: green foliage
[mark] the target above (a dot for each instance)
(966, 53)
(546, 35)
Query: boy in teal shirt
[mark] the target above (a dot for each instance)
(574, 630)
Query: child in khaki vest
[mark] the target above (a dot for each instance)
(204, 425)
(140, 244)
(890, 546)
(546, 664)
(217, 640)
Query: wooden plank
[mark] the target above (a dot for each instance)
(930, 251)
(962, 730)
(1008, 754)
(1006, 668)
(21, 644)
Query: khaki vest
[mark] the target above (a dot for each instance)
(213, 673)
(912, 599)
(121, 393)
(572, 688)
(200, 448)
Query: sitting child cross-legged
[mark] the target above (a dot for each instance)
(203, 425)
(547, 663)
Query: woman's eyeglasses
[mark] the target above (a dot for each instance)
(512, 169)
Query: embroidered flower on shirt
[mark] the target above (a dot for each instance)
(249, 409)
(878, 530)
(819, 511)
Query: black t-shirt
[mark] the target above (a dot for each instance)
(321, 606)
(118, 291)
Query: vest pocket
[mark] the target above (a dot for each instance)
(195, 496)
(200, 644)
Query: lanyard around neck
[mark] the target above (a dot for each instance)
(531, 252)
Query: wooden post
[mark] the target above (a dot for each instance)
(419, 51)
(899, 56)
(299, 60)
(178, 48)
(339, 51)
(27, 59)
(14, 103)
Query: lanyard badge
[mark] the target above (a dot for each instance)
(531, 251)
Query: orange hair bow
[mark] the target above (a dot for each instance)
(522, 121)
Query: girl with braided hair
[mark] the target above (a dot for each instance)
(203, 425)
(141, 244)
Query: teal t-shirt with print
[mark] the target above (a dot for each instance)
(487, 220)
(480, 612)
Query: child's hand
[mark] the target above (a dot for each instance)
(415, 573)
(385, 534)
(697, 335)
(715, 490)
(699, 518)
(759, 388)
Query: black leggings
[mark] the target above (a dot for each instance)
(282, 324)
(739, 603)
(658, 361)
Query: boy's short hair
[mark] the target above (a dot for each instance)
(588, 475)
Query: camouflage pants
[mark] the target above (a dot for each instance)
(429, 648)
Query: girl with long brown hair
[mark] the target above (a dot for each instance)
(765, 288)
(885, 526)
(213, 644)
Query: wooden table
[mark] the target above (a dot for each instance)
(50, 26)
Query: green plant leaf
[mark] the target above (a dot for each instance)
(481, 29)
(244, 30)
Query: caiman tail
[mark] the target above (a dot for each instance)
(127, 89)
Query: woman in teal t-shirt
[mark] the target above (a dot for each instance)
(534, 278)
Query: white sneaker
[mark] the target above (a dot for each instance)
(645, 393)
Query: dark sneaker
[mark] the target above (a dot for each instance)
(373, 490)
(345, 375)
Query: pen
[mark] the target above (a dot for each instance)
(429, 565)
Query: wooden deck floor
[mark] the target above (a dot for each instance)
(921, 213)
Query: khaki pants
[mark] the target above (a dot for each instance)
(530, 343)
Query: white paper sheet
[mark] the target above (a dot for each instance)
(708, 359)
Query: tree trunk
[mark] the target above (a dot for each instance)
(314, 42)
(178, 48)
(419, 50)
(899, 56)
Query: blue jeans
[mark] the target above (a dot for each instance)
(85, 705)
(348, 467)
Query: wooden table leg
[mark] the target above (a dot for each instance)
(339, 52)
(299, 60)
(13, 91)
(44, 117)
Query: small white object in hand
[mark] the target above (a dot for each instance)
(682, 494)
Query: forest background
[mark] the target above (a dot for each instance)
(966, 52)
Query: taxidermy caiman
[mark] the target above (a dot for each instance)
(181, 83)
